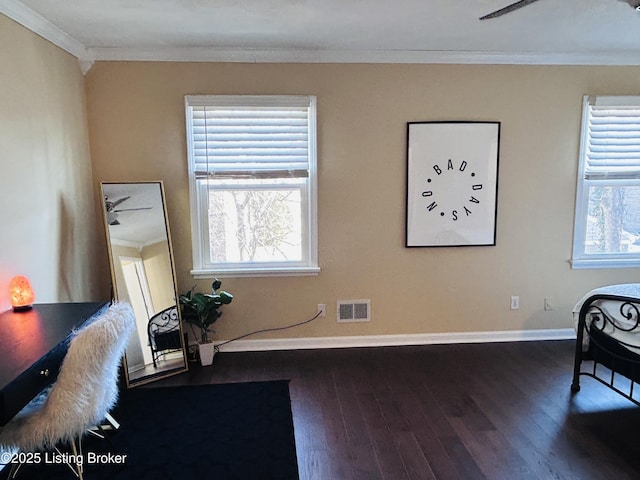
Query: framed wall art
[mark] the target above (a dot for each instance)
(452, 183)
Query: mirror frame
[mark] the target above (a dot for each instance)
(114, 286)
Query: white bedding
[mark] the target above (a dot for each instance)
(612, 310)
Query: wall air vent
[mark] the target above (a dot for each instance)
(354, 311)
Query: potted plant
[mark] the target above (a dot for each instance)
(203, 310)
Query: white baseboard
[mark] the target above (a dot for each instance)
(397, 340)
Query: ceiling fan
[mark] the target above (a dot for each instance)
(523, 3)
(112, 212)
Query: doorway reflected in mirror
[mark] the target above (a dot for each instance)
(143, 273)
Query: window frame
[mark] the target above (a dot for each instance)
(198, 193)
(580, 259)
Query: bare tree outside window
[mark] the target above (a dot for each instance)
(614, 223)
(254, 225)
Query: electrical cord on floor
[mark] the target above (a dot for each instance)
(275, 329)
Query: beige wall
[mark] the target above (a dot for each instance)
(118, 251)
(47, 203)
(52, 228)
(157, 265)
(136, 119)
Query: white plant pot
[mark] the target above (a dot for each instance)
(207, 351)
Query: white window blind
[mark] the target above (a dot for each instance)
(263, 138)
(612, 149)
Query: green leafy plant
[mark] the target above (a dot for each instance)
(203, 309)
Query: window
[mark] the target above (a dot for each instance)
(607, 223)
(252, 169)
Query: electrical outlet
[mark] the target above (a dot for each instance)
(322, 310)
(548, 303)
(515, 302)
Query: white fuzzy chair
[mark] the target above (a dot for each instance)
(84, 392)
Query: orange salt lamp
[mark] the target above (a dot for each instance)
(20, 293)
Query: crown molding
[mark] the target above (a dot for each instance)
(17, 11)
(20, 13)
(85, 64)
(211, 54)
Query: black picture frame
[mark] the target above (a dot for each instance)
(452, 183)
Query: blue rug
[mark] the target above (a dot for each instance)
(240, 431)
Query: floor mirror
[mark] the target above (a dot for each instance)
(143, 274)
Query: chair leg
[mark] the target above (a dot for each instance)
(94, 431)
(112, 421)
(15, 468)
(76, 466)
(77, 452)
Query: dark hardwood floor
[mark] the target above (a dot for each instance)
(473, 411)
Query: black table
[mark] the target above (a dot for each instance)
(32, 347)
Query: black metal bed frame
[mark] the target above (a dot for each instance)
(164, 333)
(613, 354)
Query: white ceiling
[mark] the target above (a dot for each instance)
(141, 216)
(448, 31)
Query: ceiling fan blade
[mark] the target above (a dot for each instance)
(115, 203)
(508, 9)
(132, 209)
(635, 4)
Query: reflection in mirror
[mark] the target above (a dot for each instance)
(142, 273)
